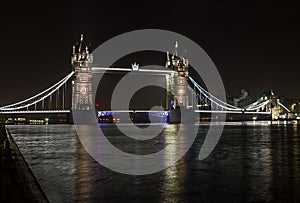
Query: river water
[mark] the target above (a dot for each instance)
(253, 161)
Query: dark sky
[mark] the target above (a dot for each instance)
(254, 44)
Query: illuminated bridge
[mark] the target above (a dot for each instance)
(54, 100)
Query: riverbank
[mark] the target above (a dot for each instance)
(18, 183)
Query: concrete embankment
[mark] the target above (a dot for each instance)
(18, 184)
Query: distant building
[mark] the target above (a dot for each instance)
(295, 107)
(242, 100)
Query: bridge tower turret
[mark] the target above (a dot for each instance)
(81, 61)
(179, 81)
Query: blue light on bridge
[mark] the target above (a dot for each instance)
(105, 113)
(159, 114)
(151, 113)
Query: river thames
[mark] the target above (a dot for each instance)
(253, 161)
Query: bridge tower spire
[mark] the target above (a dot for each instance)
(176, 49)
(82, 97)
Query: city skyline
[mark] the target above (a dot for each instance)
(254, 47)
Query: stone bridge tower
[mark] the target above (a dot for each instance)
(178, 83)
(81, 61)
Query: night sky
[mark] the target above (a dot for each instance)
(255, 45)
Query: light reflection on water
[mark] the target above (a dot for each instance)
(253, 161)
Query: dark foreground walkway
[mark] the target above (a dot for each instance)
(17, 181)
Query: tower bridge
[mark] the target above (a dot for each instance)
(53, 102)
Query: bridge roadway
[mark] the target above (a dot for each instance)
(196, 111)
(36, 112)
(128, 111)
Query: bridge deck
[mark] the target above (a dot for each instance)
(35, 112)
